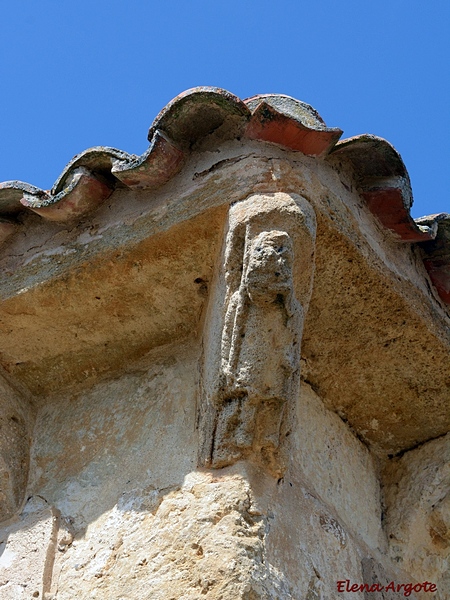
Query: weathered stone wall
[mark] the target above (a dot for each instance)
(102, 462)
(115, 512)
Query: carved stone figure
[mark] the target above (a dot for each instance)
(249, 407)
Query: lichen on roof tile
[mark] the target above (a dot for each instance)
(200, 111)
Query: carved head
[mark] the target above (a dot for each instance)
(269, 267)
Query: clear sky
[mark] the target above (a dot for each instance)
(96, 72)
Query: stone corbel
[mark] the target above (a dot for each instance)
(417, 507)
(253, 331)
(16, 424)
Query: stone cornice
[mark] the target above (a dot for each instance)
(202, 119)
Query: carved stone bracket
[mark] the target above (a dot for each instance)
(251, 365)
(417, 506)
(16, 424)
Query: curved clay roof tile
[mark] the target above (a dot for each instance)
(296, 125)
(437, 253)
(384, 184)
(199, 112)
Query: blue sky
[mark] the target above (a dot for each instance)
(89, 73)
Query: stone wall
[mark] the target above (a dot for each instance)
(113, 511)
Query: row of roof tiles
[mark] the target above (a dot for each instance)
(210, 115)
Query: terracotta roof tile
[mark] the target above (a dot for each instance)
(283, 120)
(200, 112)
(384, 183)
(437, 253)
